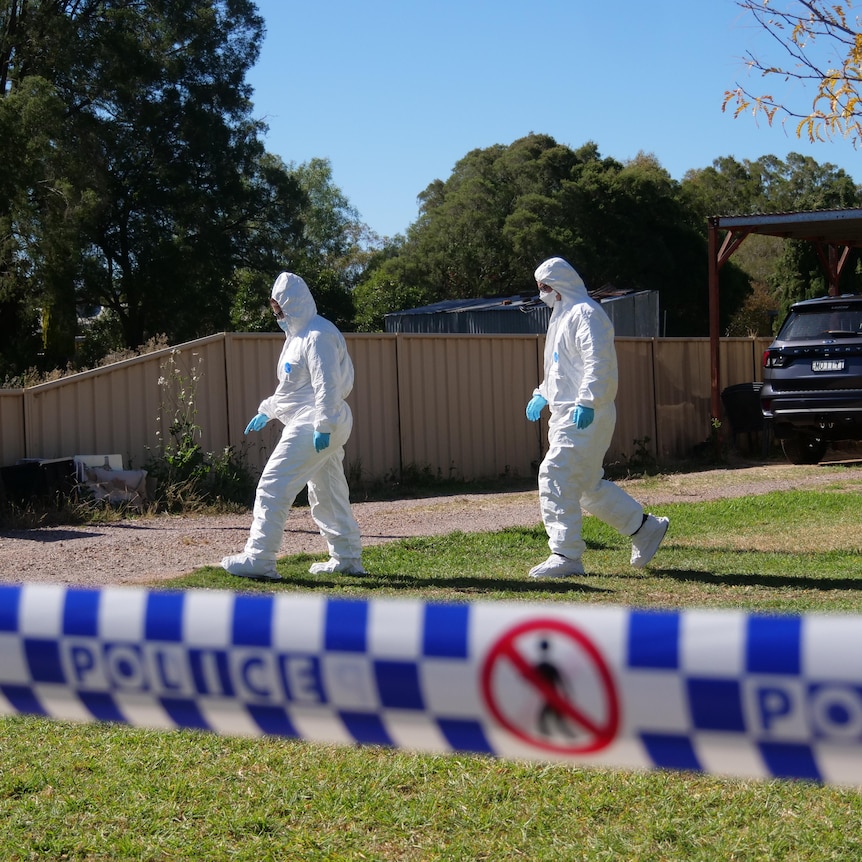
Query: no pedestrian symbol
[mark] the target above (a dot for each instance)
(548, 685)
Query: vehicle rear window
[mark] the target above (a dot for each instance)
(815, 325)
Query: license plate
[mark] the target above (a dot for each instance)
(827, 365)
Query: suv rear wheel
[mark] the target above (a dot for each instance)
(802, 449)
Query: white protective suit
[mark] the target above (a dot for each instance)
(315, 376)
(580, 369)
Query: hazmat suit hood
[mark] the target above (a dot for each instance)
(562, 277)
(292, 294)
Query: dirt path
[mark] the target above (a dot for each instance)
(148, 549)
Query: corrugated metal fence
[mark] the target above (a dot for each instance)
(451, 405)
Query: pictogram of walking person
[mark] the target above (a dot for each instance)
(549, 716)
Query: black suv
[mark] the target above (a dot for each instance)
(812, 377)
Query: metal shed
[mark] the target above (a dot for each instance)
(495, 315)
(633, 313)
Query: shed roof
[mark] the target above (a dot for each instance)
(452, 306)
(516, 302)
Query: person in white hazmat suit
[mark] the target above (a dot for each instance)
(315, 376)
(580, 386)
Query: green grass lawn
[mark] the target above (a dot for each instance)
(114, 793)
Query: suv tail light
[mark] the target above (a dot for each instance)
(773, 359)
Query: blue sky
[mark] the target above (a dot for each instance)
(395, 92)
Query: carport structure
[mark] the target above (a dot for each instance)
(833, 232)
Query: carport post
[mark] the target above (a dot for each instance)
(714, 342)
(717, 258)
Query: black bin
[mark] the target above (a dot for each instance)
(42, 480)
(742, 407)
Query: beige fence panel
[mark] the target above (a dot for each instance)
(103, 411)
(739, 361)
(122, 408)
(374, 448)
(636, 419)
(682, 395)
(450, 403)
(760, 345)
(462, 402)
(250, 371)
(682, 369)
(12, 444)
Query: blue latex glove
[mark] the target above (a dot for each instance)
(321, 441)
(582, 417)
(257, 423)
(535, 407)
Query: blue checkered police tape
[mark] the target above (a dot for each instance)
(722, 692)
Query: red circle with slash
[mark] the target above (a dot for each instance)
(594, 732)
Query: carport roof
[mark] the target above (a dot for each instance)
(832, 227)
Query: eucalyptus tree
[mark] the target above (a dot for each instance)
(173, 142)
(143, 182)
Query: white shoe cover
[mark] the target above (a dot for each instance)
(646, 540)
(557, 566)
(346, 567)
(245, 566)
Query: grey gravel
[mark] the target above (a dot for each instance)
(150, 549)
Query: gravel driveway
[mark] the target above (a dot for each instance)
(145, 550)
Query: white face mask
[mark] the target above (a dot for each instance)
(549, 297)
(283, 324)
